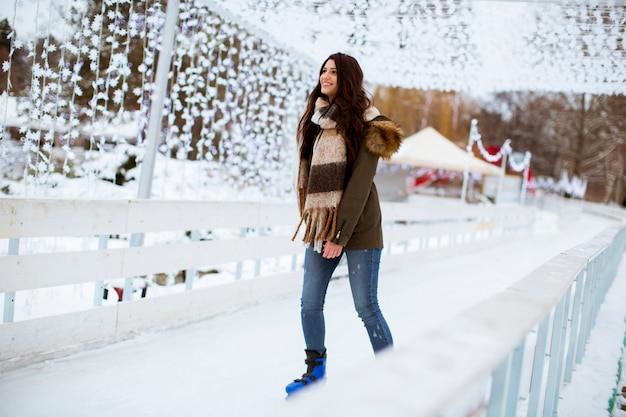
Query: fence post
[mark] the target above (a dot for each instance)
(536, 379)
(190, 274)
(499, 387)
(9, 297)
(294, 262)
(575, 339)
(515, 379)
(505, 384)
(559, 325)
(257, 263)
(239, 267)
(98, 291)
(587, 305)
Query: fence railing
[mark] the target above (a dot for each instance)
(513, 351)
(112, 245)
(505, 357)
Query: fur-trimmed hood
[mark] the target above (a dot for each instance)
(382, 137)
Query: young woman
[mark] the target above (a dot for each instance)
(341, 136)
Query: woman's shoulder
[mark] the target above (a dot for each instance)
(383, 136)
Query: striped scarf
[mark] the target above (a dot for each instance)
(321, 180)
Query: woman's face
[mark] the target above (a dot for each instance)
(328, 79)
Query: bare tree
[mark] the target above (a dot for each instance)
(580, 134)
(447, 112)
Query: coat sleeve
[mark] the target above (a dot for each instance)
(355, 195)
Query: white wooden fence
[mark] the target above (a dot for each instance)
(101, 244)
(523, 342)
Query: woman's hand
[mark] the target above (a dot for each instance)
(331, 250)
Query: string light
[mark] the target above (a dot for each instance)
(237, 76)
(505, 149)
(243, 93)
(473, 46)
(574, 187)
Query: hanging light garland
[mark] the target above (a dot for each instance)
(473, 46)
(238, 83)
(574, 187)
(233, 102)
(505, 153)
(505, 149)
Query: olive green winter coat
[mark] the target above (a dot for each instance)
(359, 218)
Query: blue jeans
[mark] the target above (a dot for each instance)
(363, 268)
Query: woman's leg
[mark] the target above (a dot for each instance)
(317, 274)
(363, 266)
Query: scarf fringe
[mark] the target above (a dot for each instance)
(321, 224)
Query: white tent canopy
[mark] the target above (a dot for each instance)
(430, 149)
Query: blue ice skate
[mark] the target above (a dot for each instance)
(315, 372)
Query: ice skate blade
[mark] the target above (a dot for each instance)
(305, 391)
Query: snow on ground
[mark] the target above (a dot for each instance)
(237, 363)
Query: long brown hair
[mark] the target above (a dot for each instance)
(352, 100)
